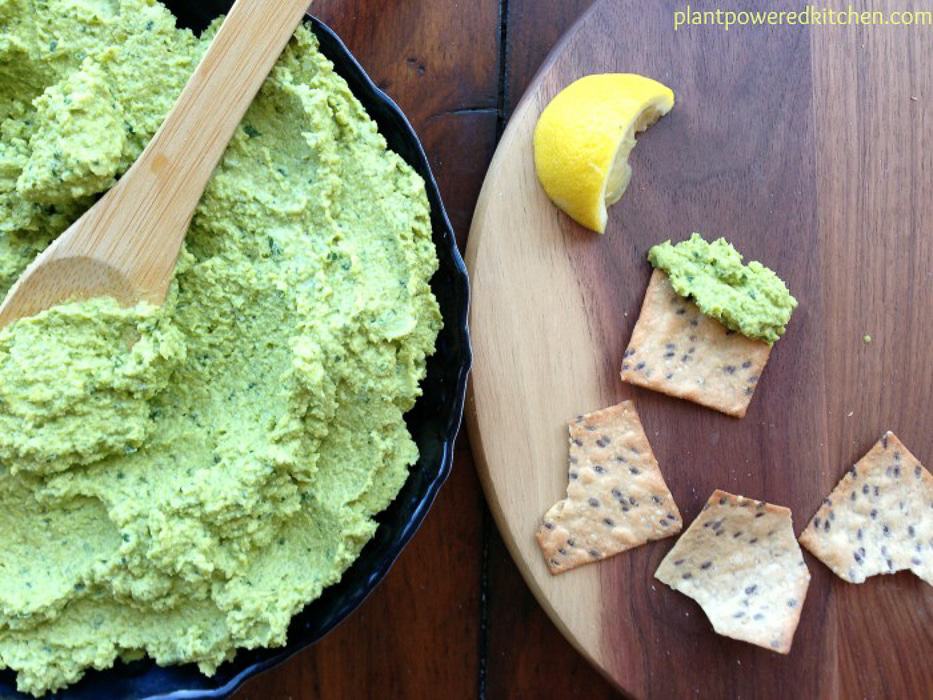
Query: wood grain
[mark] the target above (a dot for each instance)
(874, 113)
(544, 664)
(126, 245)
(799, 168)
(419, 634)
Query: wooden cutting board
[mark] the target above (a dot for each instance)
(811, 149)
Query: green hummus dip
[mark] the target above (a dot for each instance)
(179, 481)
(749, 299)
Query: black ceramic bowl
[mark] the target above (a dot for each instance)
(434, 422)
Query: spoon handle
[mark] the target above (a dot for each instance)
(156, 198)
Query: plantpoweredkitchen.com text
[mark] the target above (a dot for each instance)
(809, 15)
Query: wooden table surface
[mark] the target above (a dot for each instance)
(453, 619)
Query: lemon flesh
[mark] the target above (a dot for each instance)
(584, 136)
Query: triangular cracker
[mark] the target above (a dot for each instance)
(740, 561)
(878, 519)
(677, 350)
(616, 497)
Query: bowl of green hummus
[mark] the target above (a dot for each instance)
(191, 493)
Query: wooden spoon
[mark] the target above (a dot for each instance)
(126, 245)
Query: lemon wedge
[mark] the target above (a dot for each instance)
(584, 136)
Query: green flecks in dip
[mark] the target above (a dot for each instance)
(750, 299)
(179, 481)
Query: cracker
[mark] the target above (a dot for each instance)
(878, 519)
(616, 495)
(740, 561)
(677, 350)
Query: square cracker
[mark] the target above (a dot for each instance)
(616, 496)
(740, 561)
(878, 519)
(677, 350)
